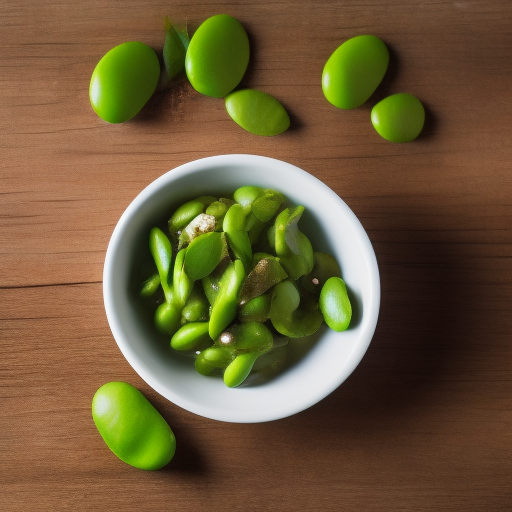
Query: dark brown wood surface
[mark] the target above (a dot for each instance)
(425, 421)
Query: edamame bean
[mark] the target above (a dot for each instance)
(168, 318)
(213, 360)
(237, 236)
(266, 205)
(291, 245)
(217, 56)
(131, 427)
(187, 212)
(150, 286)
(335, 304)
(256, 310)
(218, 210)
(181, 282)
(123, 81)
(191, 336)
(204, 253)
(196, 308)
(398, 118)
(238, 370)
(161, 250)
(225, 306)
(257, 112)
(247, 337)
(354, 70)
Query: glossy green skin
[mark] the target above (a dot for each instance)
(257, 112)
(398, 118)
(161, 250)
(187, 212)
(150, 286)
(213, 360)
(237, 236)
(249, 337)
(182, 284)
(224, 308)
(190, 336)
(197, 307)
(335, 304)
(266, 205)
(239, 369)
(131, 427)
(168, 318)
(354, 70)
(217, 56)
(204, 253)
(293, 247)
(256, 310)
(123, 81)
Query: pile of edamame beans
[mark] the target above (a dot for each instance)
(215, 61)
(235, 279)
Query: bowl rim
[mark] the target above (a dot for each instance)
(200, 165)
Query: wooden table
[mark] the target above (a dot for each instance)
(425, 421)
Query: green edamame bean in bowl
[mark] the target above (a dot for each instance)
(296, 372)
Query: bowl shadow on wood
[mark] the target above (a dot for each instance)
(424, 327)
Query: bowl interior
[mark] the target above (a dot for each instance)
(320, 363)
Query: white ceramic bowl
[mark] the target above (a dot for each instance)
(322, 362)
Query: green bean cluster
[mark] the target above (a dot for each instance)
(236, 278)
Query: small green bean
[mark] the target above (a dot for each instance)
(224, 308)
(399, 117)
(291, 245)
(335, 304)
(247, 337)
(237, 236)
(161, 250)
(150, 286)
(257, 112)
(191, 336)
(197, 306)
(187, 212)
(168, 318)
(213, 360)
(256, 310)
(238, 370)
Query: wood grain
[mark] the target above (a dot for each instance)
(425, 422)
